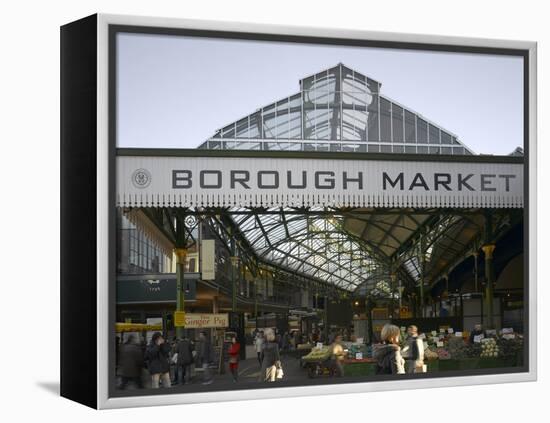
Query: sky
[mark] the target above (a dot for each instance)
(175, 91)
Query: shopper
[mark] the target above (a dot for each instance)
(233, 351)
(259, 345)
(414, 359)
(388, 354)
(184, 349)
(337, 356)
(157, 358)
(285, 341)
(205, 356)
(131, 362)
(271, 361)
(478, 331)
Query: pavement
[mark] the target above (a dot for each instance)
(249, 371)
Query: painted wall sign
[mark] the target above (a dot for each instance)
(240, 181)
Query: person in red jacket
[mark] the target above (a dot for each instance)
(233, 351)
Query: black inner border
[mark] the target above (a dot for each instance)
(114, 29)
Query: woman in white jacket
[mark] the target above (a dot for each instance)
(259, 345)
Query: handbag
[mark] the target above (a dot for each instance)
(270, 374)
(174, 358)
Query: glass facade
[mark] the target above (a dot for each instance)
(338, 109)
(136, 253)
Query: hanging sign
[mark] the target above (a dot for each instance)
(208, 265)
(206, 320)
(168, 181)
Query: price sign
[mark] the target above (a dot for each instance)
(434, 332)
(507, 330)
(458, 334)
(450, 330)
(359, 356)
(441, 330)
(478, 338)
(439, 344)
(319, 345)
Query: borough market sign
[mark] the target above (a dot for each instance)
(160, 181)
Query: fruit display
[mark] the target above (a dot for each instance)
(510, 347)
(353, 349)
(473, 350)
(457, 348)
(317, 354)
(303, 346)
(489, 348)
(443, 354)
(430, 354)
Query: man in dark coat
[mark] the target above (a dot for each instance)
(156, 358)
(205, 355)
(130, 362)
(184, 349)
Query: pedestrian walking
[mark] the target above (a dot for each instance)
(259, 345)
(157, 358)
(234, 351)
(130, 362)
(337, 356)
(388, 354)
(205, 355)
(271, 360)
(414, 358)
(184, 350)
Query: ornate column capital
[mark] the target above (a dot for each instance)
(181, 254)
(488, 250)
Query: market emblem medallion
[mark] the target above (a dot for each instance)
(141, 178)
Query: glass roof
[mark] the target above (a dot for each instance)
(313, 245)
(338, 109)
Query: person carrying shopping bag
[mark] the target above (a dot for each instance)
(271, 369)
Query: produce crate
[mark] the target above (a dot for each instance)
(433, 365)
(469, 363)
(494, 363)
(446, 365)
(359, 369)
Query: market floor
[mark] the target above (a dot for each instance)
(249, 371)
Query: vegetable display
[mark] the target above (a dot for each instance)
(317, 354)
(489, 348)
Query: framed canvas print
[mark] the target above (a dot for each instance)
(254, 211)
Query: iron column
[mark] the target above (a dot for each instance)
(181, 254)
(489, 249)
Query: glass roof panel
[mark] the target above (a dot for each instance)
(315, 245)
(335, 104)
